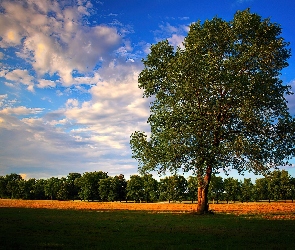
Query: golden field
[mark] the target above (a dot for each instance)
(273, 210)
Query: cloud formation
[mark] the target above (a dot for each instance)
(174, 34)
(68, 82)
(57, 52)
(88, 135)
(53, 38)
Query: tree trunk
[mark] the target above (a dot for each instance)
(203, 188)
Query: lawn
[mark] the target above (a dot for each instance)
(28, 228)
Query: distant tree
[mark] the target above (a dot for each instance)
(166, 189)
(12, 185)
(104, 188)
(274, 185)
(135, 188)
(173, 188)
(27, 189)
(279, 184)
(51, 188)
(121, 187)
(192, 188)
(73, 189)
(150, 187)
(3, 190)
(231, 189)
(218, 102)
(89, 185)
(285, 184)
(39, 189)
(181, 187)
(247, 190)
(261, 189)
(292, 189)
(63, 192)
(114, 189)
(216, 188)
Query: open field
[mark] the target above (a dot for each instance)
(30, 228)
(273, 210)
(115, 225)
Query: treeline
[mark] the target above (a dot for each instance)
(98, 186)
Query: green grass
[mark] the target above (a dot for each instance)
(22, 228)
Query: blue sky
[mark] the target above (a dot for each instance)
(68, 76)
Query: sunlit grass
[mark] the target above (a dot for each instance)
(24, 228)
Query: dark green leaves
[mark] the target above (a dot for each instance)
(218, 102)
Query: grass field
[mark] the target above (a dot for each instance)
(31, 228)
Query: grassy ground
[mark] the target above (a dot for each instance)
(26, 228)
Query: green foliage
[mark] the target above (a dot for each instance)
(173, 188)
(278, 185)
(135, 188)
(112, 188)
(192, 188)
(73, 189)
(3, 191)
(219, 102)
(104, 188)
(232, 189)
(39, 189)
(150, 186)
(63, 192)
(88, 184)
(52, 187)
(292, 189)
(27, 189)
(261, 189)
(12, 186)
(216, 188)
(247, 189)
(121, 187)
(115, 186)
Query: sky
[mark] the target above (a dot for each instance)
(69, 99)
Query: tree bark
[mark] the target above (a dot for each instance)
(203, 188)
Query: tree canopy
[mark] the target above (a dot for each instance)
(219, 102)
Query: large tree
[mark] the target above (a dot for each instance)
(218, 101)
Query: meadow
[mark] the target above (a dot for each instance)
(67, 227)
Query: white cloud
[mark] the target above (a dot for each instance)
(84, 134)
(174, 34)
(31, 143)
(11, 85)
(19, 76)
(83, 10)
(72, 103)
(89, 80)
(176, 40)
(20, 111)
(46, 83)
(53, 39)
(2, 99)
(116, 109)
(35, 145)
